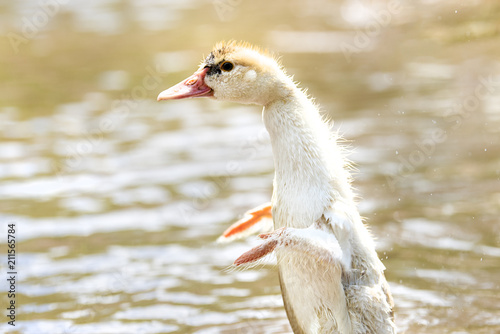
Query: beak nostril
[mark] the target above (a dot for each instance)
(191, 81)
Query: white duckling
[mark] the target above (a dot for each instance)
(331, 278)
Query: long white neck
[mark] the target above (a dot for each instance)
(310, 172)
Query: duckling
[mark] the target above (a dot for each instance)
(331, 278)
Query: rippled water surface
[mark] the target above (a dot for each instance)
(118, 199)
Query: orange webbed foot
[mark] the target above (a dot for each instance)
(258, 252)
(256, 220)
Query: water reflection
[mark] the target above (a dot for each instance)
(119, 199)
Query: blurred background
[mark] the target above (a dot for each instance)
(118, 199)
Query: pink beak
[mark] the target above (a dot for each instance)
(194, 86)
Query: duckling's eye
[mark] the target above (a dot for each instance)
(227, 66)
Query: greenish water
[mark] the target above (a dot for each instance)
(118, 199)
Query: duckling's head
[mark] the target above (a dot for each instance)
(235, 72)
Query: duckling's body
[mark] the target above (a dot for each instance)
(311, 184)
(331, 278)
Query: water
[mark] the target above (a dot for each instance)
(118, 199)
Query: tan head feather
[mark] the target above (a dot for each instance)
(242, 53)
